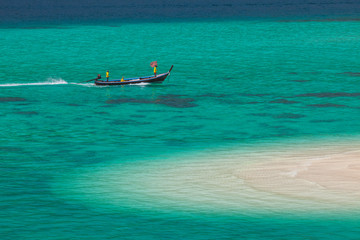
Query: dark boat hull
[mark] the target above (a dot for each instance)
(159, 78)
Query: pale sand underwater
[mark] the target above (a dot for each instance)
(298, 178)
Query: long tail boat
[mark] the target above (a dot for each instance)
(150, 79)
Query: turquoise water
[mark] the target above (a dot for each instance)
(234, 84)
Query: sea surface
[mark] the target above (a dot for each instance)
(79, 161)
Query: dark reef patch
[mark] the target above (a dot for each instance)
(74, 105)
(252, 102)
(175, 101)
(28, 113)
(324, 121)
(12, 99)
(10, 149)
(300, 81)
(261, 114)
(327, 105)
(102, 113)
(353, 74)
(254, 95)
(283, 101)
(129, 122)
(192, 127)
(289, 115)
(329, 95)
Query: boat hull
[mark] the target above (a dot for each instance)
(159, 78)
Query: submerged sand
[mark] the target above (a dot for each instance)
(297, 178)
(327, 175)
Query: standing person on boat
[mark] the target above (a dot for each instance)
(154, 65)
(107, 75)
(155, 70)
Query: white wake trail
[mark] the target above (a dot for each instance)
(49, 81)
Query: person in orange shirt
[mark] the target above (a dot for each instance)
(107, 75)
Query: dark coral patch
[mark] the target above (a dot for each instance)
(74, 105)
(169, 100)
(138, 116)
(283, 101)
(28, 113)
(289, 115)
(353, 74)
(254, 95)
(326, 105)
(10, 149)
(300, 81)
(252, 102)
(101, 113)
(324, 121)
(329, 95)
(174, 101)
(12, 99)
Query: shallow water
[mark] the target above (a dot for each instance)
(262, 180)
(131, 161)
